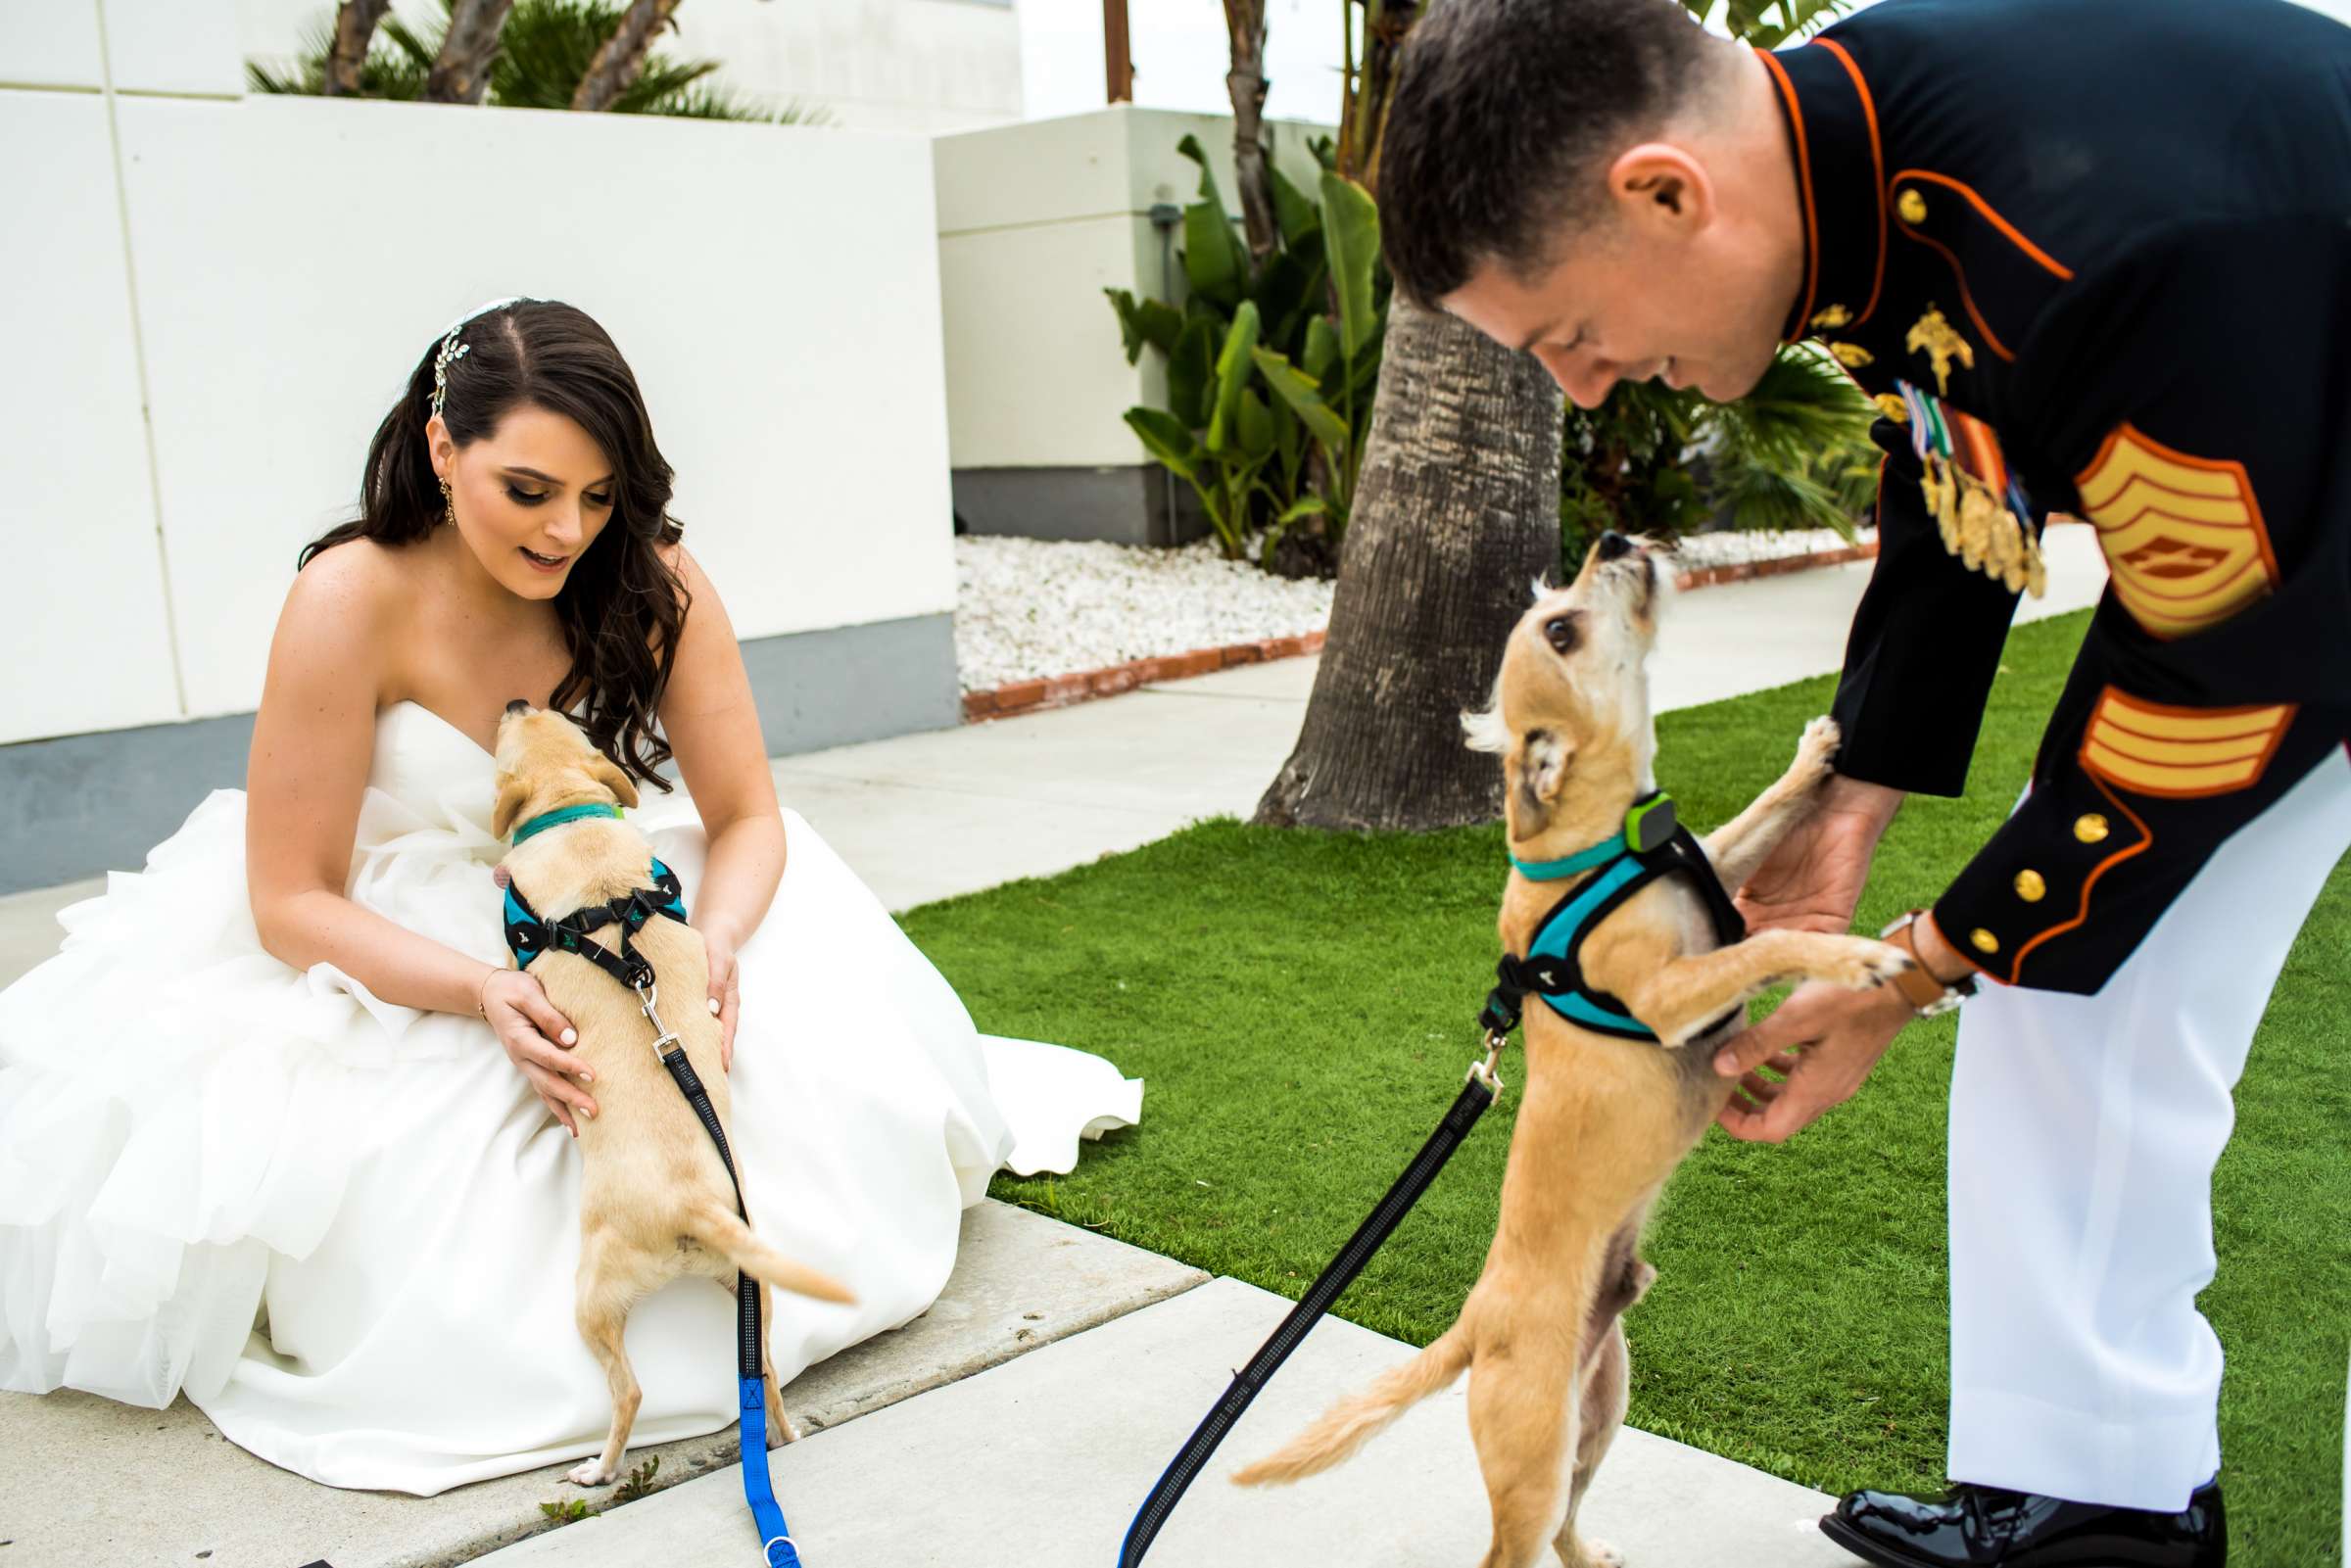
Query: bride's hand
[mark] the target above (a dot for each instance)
(529, 1027)
(726, 991)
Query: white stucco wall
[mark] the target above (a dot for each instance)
(1035, 222)
(267, 271)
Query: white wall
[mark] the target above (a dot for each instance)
(921, 66)
(1035, 222)
(776, 291)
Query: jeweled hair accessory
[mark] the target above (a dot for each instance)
(452, 350)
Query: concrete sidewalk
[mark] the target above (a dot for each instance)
(1040, 1464)
(1041, 1457)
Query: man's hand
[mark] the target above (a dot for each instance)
(1814, 880)
(1823, 1039)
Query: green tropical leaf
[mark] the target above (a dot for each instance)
(1351, 240)
(1233, 365)
(1293, 211)
(1321, 352)
(1144, 322)
(1165, 438)
(1295, 388)
(1191, 368)
(1214, 261)
(1259, 438)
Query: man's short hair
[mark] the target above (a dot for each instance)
(1505, 115)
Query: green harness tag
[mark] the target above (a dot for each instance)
(1650, 824)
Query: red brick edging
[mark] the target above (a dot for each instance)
(1742, 571)
(1061, 691)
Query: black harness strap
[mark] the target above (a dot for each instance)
(530, 933)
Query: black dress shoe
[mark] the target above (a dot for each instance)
(1978, 1526)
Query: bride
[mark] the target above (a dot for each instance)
(278, 1126)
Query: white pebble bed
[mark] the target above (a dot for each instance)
(1026, 609)
(1029, 608)
(1728, 549)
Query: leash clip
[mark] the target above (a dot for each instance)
(648, 997)
(1484, 1072)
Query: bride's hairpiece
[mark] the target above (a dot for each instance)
(452, 350)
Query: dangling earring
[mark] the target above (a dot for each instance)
(449, 505)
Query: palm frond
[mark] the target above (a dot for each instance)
(1758, 496)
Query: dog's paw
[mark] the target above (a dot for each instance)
(1816, 751)
(589, 1473)
(781, 1431)
(1861, 963)
(1600, 1555)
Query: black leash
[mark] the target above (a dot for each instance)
(1476, 1095)
(1652, 845)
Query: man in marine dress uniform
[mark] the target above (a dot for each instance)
(2088, 258)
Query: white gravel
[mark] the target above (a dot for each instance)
(1762, 544)
(1029, 608)
(1026, 608)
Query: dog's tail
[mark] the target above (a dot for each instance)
(723, 1231)
(1350, 1424)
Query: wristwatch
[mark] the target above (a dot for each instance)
(1927, 995)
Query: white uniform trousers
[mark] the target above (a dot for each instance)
(2083, 1138)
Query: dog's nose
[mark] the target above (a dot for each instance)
(518, 705)
(1613, 544)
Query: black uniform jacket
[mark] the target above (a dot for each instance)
(2092, 257)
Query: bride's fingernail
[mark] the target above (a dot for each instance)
(714, 1007)
(571, 1037)
(586, 1076)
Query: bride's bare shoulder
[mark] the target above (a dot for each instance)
(344, 603)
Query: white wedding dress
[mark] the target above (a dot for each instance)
(348, 1229)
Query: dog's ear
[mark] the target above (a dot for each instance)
(1534, 772)
(604, 770)
(512, 793)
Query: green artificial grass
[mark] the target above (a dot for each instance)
(1300, 1005)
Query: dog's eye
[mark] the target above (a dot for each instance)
(1561, 633)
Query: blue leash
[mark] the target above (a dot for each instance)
(758, 1487)
(528, 935)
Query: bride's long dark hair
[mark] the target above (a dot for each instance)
(622, 607)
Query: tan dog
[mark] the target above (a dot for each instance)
(1604, 1120)
(654, 1200)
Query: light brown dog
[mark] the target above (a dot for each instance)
(1604, 1120)
(654, 1200)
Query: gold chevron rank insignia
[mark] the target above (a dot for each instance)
(2182, 534)
(2154, 749)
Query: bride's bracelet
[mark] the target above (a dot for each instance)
(480, 997)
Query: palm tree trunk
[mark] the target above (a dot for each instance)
(618, 64)
(1245, 21)
(460, 72)
(355, 30)
(1458, 511)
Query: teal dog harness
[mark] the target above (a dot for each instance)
(530, 933)
(1651, 845)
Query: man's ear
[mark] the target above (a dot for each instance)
(604, 770)
(512, 793)
(1535, 773)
